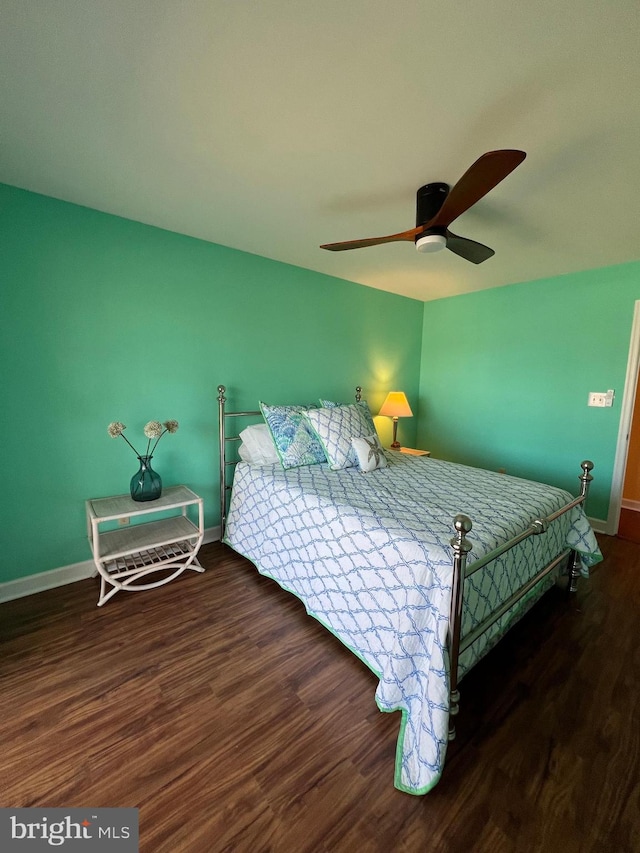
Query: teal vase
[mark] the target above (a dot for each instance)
(146, 484)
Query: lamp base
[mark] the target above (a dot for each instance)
(395, 444)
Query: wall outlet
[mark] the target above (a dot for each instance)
(597, 399)
(122, 522)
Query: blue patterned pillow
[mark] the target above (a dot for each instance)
(295, 442)
(366, 411)
(335, 427)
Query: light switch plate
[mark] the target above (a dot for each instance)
(601, 399)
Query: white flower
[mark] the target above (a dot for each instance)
(153, 429)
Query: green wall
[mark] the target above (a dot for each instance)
(505, 375)
(105, 319)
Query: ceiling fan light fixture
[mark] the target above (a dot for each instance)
(431, 243)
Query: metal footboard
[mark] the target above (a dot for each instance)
(461, 547)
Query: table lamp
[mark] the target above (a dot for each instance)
(396, 406)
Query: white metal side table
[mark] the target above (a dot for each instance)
(165, 547)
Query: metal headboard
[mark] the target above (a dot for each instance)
(224, 439)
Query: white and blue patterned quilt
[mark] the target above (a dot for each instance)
(370, 557)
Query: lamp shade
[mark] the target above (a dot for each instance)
(396, 405)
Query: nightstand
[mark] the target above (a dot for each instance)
(411, 451)
(166, 546)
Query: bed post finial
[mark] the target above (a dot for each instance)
(358, 393)
(221, 392)
(461, 547)
(585, 478)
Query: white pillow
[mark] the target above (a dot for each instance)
(245, 454)
(369, 452)
(257, 446)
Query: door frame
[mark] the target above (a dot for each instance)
(624, 430)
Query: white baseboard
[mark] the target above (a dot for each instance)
(599, 525)
(634, 505)
(31, 584)
(211, 534)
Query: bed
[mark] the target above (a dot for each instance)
(373, 558)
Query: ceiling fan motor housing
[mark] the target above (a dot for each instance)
(429, 200)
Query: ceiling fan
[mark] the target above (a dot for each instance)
(437, 205)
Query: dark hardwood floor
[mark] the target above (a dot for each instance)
(235, 722)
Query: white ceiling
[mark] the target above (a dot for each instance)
(275, 126)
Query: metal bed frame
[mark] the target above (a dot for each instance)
(461, 547)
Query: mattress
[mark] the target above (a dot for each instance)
(370, 557)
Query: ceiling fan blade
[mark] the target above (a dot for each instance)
(468, 249)
(409, 236)
(477, 181)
